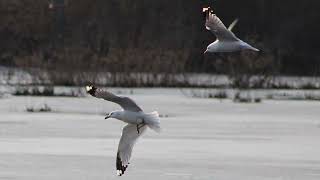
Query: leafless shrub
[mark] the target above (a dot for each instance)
(43, 108)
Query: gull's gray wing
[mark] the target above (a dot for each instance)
(128, 139)
(125, 102)
(233, 24)
(215, 25)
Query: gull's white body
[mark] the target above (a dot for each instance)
(135, 118)
(130, 117)
(229, 46)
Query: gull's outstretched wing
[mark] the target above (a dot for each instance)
(125, 102)
(233, 24)
(128, 139)
(215, 25)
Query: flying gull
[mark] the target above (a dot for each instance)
(137, 123)
(226, 40)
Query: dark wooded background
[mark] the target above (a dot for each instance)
(152, 35)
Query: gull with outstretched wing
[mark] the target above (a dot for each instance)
(137, 123)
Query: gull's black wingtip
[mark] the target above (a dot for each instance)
(91, 89)
(120, 168)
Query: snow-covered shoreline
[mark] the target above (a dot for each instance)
(23, 77)
(276, 94)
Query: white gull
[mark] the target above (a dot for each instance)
(226, 40)
(137, 123)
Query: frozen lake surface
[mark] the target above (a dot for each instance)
(202, 139)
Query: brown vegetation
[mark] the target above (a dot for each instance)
(157, 37)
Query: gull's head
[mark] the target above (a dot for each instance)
(114, 114)
(212, 48)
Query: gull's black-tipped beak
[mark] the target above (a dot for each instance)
(107, 117)
(206, 52)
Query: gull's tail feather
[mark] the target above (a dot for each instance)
(254, 49)
(153, 121)
(248, 46)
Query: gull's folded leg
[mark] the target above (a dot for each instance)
(139, 126)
